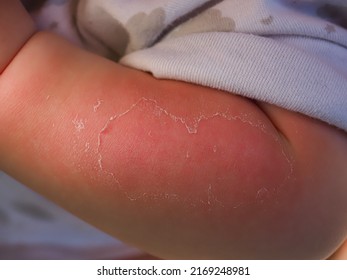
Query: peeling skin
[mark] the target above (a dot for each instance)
(107, 124)
(97, 105)
(212, 199)
(238, 205)
(87, 147)
(79, 124)
(191, 125)
(214, 148)
(290, 162)
(262, 194)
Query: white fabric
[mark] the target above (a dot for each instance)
(289, 53)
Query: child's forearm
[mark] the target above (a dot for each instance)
(16, 27)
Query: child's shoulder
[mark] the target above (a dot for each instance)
(16, 27)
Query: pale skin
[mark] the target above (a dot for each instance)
(178, 170)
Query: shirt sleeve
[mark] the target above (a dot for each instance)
(291, 53)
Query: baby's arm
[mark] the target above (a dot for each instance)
(179, 170)
(16, 27)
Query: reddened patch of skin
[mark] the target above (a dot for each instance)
(178, 170)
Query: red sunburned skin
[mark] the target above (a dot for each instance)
(178, 170)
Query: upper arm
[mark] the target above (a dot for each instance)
(115, 145)
(16, 27)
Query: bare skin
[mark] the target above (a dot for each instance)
(179, 170)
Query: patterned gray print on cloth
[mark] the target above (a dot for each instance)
(208, 21)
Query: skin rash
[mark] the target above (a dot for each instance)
(179, 170)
